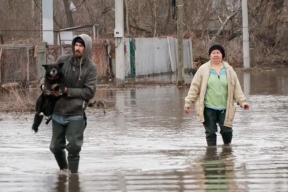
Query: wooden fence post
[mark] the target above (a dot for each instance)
(41, 59)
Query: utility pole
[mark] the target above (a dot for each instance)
(246, 47)
(180, 76)
(47, 22)
(119, 41)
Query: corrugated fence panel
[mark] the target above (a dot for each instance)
(144, 56)
(154, 55)
(173, 52)
(161, 62)
(172, 43)
(187, 56)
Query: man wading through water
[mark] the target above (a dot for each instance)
(68, 118)
(216, 86)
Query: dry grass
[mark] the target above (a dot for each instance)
(23, 100)
(140, 84)
(264, 56)
(16, 100)
(232, 48)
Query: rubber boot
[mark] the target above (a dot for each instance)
(211, 141)
(73, 162)
(61, 160)
(227, 138)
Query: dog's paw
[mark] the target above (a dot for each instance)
(60, 91)
(47, 92)
(35, 129)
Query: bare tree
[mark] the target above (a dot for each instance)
(68, 13)
(152, 7)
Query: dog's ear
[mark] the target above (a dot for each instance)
(60, 64)
(45, 66)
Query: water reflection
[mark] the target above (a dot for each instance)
(246, 83)
(265, 83)
(149, 144)
(218, 169)
(74, 184)
(61, 183)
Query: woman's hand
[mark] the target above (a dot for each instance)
(246, 106)
(186, 110)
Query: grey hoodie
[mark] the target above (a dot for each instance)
(80, 80)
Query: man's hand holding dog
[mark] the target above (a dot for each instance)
(57, 94)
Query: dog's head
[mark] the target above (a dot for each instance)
(53, 70)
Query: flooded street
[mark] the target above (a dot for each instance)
(148, 144)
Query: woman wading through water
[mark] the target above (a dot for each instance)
(216, 87)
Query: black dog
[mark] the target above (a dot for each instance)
(53, 81)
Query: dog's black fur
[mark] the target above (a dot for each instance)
(53, 81)
(193, 71)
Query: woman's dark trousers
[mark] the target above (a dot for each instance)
(212, 117)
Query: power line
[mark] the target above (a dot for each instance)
(25, 30)
(9, 30)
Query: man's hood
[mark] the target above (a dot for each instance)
(88, 45)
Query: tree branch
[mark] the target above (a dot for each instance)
(140, 29)
(224, 24)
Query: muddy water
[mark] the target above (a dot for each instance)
(148, 144)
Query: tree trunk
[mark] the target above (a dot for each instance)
(68, 13)
(126, 20)
(180, 76)
(152, 5)
(167, 20)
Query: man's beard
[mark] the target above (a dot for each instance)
(78, 54)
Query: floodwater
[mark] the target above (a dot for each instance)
(149, 144)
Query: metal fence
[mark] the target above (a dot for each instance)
(18, 63)
(155, 55)
(143, 56)
(21, 63)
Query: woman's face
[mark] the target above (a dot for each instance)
(216, 55)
